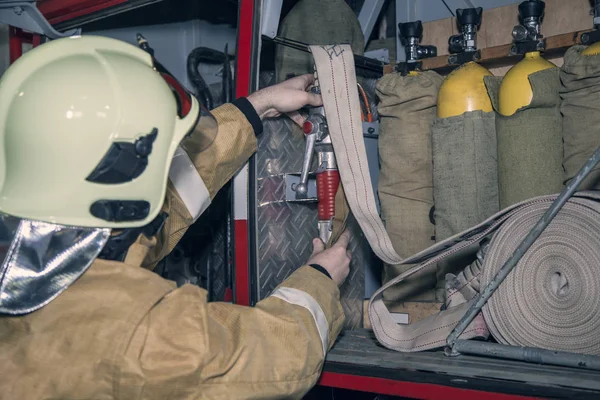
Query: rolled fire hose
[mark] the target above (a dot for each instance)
(580, 79)
(530, 148)
(561, 269)
(407, 109)
(551, 299)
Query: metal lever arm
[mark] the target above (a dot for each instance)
(302, 187)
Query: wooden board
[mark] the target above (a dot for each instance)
(500, 55)
(497, 24)
(563, 23)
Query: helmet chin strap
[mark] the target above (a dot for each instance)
(119, 242)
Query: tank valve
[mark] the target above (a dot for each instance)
(411, 34)
(592, 37)
(527, 36)
(463, 47)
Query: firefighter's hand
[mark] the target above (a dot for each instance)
(336, 259)
(285, 98)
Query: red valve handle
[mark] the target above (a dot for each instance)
(327, 186)
(307, 127)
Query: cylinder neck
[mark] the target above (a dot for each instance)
(532, 54)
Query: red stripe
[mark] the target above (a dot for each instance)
(244, 48)
(423, 391)
(63, 10)
(242, 278)
(242, 89)
(15, 45)
(36, 40)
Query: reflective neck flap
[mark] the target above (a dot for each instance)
(43, 260)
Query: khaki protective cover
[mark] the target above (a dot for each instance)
(530, 147)
(580, 91)
(407, 110)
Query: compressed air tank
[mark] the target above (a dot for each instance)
(407, 109)
(465, 176)
(529, 123)
(580, 91)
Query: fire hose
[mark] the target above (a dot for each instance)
(550, 300)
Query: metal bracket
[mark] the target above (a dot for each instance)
(463, 58)
(405, 67)
(25, 15)
(487, 292)
(371, 129)
(527, 47)
(589, 38)
(292, 181)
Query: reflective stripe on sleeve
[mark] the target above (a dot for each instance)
(303, 299)
(188, 183)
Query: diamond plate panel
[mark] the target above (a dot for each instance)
(286, 230)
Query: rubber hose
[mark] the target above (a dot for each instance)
(197, 56)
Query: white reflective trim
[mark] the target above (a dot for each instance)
(303, 299)
(240, 194)
(188, 183)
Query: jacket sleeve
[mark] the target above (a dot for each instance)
(233, 146)
(188, 348)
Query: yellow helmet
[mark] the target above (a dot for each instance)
(89, 126)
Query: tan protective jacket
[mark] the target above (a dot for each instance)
(123, 332)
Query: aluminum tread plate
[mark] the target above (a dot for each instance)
(285, 230)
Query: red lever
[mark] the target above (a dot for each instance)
(307, 127)
(327, 186)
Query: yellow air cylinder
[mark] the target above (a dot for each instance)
(463, 91)
(592, 50)
(515, 91)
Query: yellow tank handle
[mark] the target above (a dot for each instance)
(515, 91)
(592, 50)
(463, 91)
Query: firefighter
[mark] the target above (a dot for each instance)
(107, 161)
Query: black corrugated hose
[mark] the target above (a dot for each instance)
(209, 56)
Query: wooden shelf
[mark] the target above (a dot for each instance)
(500, 55)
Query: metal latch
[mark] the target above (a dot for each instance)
(291, 186)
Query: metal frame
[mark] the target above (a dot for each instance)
(25, 15)
(542, 356)
(271, 14)
(248, 56)
(68, 14)
(369, 14)
(58, 11)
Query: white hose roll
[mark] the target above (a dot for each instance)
(551, 299)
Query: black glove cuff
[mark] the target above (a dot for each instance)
(252, 116)
(321, 269)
